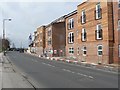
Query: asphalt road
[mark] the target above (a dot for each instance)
(54, 74)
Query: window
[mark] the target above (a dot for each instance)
(118, 24)
(49, 41)
(77, 32)
(71, 37)
(83, 17)
(118, 3)
(41, 44)
(83, 36)
(71, 50)
(98, 32)
(99, 50)
(49, 33)
(78, 51)
(98, 11)
(71, 23)
(84, 50)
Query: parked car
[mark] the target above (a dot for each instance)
(21, 50)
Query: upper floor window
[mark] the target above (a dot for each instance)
(118, 24)
(77, 32)
(98, 32)
(49, 33)
(71, 23)
(118, 3)
(49, 41)
(83, 17)
(98, 11)
(99, 50)
(71, 37)
(83, 35)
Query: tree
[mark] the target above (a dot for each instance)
(6, 44)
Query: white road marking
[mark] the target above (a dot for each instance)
(85, 75)
(66, 70)
(78, 73)
(34, 60)
(48, 64)
(90, 68)
(70, 71)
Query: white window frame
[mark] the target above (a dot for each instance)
(98, 28)
(71, 23)
(77, 32)
(70, 34)
(71, 50)
(83, 33)
(99, 50)
(119, 4)
(84, 49)
(97, 10)
(118, 24)
(83, 13)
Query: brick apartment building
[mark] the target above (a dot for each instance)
(71, 34)
(39, 40)
(92, 38)
(96, 27)
(55, 38)
(116, 13)
(91, 33)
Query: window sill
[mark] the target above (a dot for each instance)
(98, 18)
(99, 38)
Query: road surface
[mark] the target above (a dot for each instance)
(54, 74)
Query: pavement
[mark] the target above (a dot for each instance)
(108, 67)
(9, 77)
(58, 74)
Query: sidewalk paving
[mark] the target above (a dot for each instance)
(9, 78)
(108, 67)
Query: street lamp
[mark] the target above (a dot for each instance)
(3, 43)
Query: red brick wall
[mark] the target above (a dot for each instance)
(90, 26)
(116, 31)
(74, 30)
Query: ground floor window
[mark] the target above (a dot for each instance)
(84, 50)
(78, 51)
(99, 50)
(71, 50)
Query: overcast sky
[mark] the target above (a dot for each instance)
(27, 16)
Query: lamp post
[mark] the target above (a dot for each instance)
(3, 43)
